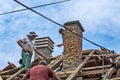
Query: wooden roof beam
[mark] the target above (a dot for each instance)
(81, 74)
(56, 63)
(106, 55)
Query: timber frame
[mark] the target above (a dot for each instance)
(95, 65)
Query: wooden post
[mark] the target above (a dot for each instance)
(12, 65)
(76, 71)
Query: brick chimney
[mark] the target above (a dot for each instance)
(72, 45)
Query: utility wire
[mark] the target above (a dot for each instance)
(33, 7)
(58, 24)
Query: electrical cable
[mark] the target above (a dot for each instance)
(58, 24)
(33, 7)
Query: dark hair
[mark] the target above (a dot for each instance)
(61, 30)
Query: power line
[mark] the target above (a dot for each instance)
(33, 7)
(58, 24)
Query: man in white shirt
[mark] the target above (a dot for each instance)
(27, 50)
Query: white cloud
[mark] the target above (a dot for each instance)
(93, 13)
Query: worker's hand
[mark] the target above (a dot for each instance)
(24, 49)
(59, 45)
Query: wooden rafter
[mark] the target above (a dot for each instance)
(96, 67)
(11, 71)
(56, 63)
(81, 74)
(106, 55)
(10, 66)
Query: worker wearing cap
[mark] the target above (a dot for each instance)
(27, 50)
(40, 72)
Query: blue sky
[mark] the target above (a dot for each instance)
(100, 19)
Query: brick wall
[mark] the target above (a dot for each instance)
(72, 45)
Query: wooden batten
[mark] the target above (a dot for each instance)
(10, 66)
(86, 51)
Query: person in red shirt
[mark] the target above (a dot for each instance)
(40, 72)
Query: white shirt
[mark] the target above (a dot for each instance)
(28, 45)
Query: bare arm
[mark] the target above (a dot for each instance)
(59, 45)
(20, 43)
(55, 77)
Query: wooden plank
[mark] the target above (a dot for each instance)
(56, 63)
(99, 52)
(11, 71)
(111, 70)
(53, 58)
(76, 71)
(96, 67)
(12, 65)
(118, 78)
(7, 76)
(87, 51)
(65, 74)
(110, 55)
(93, 72)
(92, 79)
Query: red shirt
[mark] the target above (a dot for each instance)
(39, 72)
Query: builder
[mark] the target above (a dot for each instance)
(27, 50)
(61, 31)
(40, 72)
